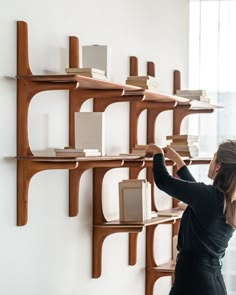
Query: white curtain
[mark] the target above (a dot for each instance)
(212, 67)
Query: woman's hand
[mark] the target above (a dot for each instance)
(173, 156)
(153, 149)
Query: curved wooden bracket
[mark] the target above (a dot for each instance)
(99, 235)
(152, 275)
(152, 115)
(153, 110)
(150, 232)
(152, 271)
(133, 240)
(26, 89)
(74, 184)
(74, 181)
(181, 111)
(25, 171)
(98, 175)
(135, 111)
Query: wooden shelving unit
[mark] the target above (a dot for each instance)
(103, 93)
(81, 88)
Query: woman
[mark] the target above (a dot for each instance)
(208, 222)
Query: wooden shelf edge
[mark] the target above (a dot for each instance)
(165, 267)
(153, 221)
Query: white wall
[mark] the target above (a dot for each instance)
(52, 253)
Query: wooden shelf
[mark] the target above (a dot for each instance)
(196, 107)
(168, 267)
(83, 82)
(155, 220)
(25, 171)
(153, 274)
(101, 231)
(28, 166)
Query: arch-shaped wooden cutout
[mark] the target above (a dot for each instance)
(27, 88)
(26, 169)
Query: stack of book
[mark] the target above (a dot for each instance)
(194, 95)
(135, 200)
(139, 150)
(87, 72)
(145, 82)
(68, 152)
(184, 145)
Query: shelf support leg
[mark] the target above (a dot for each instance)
(133, 237)
(74, 184)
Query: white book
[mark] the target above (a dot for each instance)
(69, 150)
(90, 131)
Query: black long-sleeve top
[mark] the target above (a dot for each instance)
(203, 228)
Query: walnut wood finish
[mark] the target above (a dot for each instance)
(177, 81)
(153, 271)
(74, 48)
(100, 232)
(151, 69)
(102, 98)
(28, 85)
(26, 169)
(74, 180)
(102, 228)
(26, 89)
(154, 109)
(133, 69)
(181, 112)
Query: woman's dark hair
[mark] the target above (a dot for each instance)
(225, 179)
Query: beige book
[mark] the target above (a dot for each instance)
(182, 137)
(170, 213)
(174, 247)
(140, 146)
(184, 148)
(135, 200)
(97, 56)
(147, 77)
(143, 84)
(132, 204)
(90, 131)
(90, 75)
(85, 70)
(198, 92)
(148, 199)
